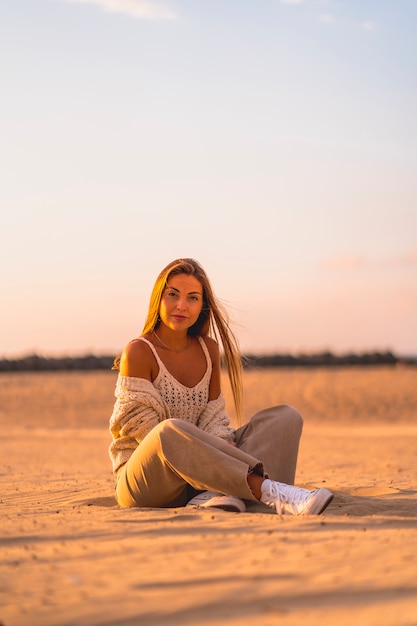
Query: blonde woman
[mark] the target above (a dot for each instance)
(173, 444)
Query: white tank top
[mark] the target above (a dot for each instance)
(184, 402)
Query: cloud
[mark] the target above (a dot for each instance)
(368, 26)
(400, 261)
(354, 262)
(292, 1)
(326, 18)
(410, 258)
(344, 263)
(139, 9)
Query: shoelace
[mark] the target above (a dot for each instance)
(288, 494)
(275, 496)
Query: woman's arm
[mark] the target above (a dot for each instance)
(215, 381)
(137, 410)
(214, 418)
(138, 407)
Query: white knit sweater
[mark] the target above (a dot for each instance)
(140, 405)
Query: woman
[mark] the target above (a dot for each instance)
(171, 435)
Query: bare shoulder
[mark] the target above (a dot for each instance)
(215, 382)
(213, 348)
(138, 360)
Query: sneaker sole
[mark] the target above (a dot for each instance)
(318, 502)
(208, 500)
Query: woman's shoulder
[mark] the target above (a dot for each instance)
(138, 346)
(138, 360)
(212, 347)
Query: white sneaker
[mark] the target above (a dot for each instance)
(211, 499)
(294, 500)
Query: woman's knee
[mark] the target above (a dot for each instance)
(292, 415)
(284, 414)
(164, 427)
(289, 420)
(172, 425)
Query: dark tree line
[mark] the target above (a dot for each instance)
(36, 363)
(321, 359)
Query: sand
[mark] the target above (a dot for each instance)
(70, 556)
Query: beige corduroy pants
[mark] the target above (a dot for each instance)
(177, 457)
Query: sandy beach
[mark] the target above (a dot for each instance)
(70, 556)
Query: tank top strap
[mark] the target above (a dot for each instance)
(160, 362)
(206, 353)
(154, 352)
(184, 402)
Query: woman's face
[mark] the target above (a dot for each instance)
(181, 302)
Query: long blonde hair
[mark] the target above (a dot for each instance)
(213, 321)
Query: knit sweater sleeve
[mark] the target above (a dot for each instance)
(137, 410)
(214, 420)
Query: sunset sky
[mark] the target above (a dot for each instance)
(274, 141)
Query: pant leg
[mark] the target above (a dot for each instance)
(273, 436)
(176, 454)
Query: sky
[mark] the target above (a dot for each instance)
(274, 141)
